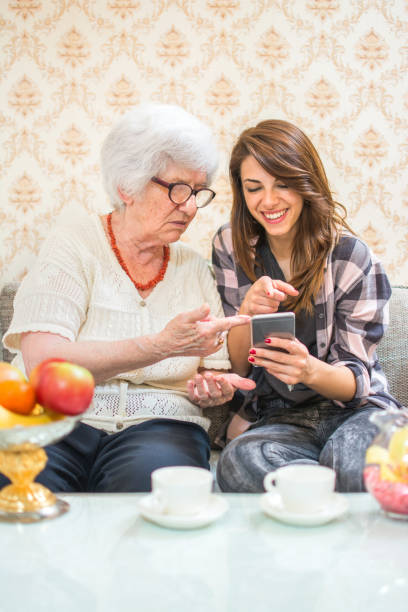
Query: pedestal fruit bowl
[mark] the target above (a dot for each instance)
(26, 427)
(386, 465)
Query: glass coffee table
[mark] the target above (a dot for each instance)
(103, 556)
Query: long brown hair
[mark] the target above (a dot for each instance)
(288, 155)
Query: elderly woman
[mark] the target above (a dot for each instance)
(121, 296)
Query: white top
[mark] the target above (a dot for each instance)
(78, 289)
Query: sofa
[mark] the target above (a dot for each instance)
(392, 351)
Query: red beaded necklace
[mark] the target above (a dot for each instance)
(139, 286)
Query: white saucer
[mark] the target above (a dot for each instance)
(271, 504)
(216, 508)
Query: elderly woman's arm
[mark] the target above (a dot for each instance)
(193, 333)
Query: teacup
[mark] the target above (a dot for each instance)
(181, 490)
(303, 488)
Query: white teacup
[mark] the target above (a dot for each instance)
(303, 488)
(181, 490)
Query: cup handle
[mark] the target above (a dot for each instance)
(157, 502)
(269, 481)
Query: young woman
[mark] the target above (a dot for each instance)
(289, 248)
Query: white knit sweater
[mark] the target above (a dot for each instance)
(77, 289)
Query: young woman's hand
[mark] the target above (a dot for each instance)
(210, 388)
(292, 367)
(334, 381)
(265, 295)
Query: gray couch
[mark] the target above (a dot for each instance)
(393, 349)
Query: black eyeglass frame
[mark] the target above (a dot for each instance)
(194, 192)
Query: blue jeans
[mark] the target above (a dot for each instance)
(90, 460)
(316, 433)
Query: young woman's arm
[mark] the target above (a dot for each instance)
(335, 382)
(360, 292)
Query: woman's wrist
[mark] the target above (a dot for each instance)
(245, 310)
(151, 349)
(312, 372)
(334, 382)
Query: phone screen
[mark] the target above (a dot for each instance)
(280, 324)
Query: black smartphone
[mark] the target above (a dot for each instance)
(280, 324)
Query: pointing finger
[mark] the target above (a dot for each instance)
(227, 323)
(241, 383)
(285, 287)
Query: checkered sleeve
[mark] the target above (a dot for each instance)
(232, 282)
(361, 292)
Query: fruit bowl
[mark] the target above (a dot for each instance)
(39, 435)
(386, 468)
(22, 458)
(34, 413)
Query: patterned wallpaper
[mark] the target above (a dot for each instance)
(70, 68)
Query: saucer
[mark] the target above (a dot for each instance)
(217, 506)
(271, 504)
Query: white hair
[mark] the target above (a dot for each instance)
(142, 143)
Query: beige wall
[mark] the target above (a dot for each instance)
(69, 68)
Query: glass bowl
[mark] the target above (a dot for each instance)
(386, 465)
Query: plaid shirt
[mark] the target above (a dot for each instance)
(351, 310)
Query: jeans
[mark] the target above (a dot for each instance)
(309, 433)
(90, 460)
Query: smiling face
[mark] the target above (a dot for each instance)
(275, 206)
(154, 217)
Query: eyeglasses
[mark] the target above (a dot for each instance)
(179, 193)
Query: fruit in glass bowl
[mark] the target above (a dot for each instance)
(59, 393)
(386, 464)
(56, 388)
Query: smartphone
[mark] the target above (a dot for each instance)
(280, 324)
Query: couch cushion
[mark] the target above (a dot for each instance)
(6, 312)
(393, 348)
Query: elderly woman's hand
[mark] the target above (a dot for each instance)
(213, 389)
(265, 295)
(196, 333)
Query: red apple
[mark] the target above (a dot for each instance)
(63, 386)
(35, 372)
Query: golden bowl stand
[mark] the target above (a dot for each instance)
(22, 458)
(25, 500)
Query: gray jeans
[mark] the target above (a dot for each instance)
(319, 433)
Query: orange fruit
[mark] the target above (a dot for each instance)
(10, 372)
(16, 394)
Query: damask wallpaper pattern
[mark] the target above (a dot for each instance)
(70, 68)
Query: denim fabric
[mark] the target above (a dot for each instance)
(320, 433)
(90, 460)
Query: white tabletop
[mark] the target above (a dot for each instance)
(103, 556)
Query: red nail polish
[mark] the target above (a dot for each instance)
(267, 340)
(251, 359)
(252, 352)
